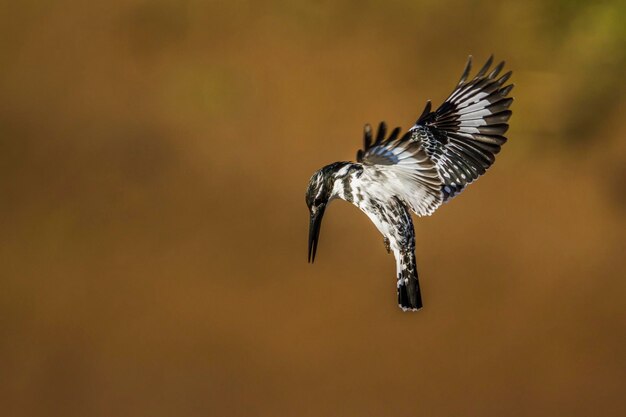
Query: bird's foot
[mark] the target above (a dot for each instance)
(386, 242)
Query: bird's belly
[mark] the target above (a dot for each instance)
(383, 227)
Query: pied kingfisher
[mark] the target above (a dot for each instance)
(428, 165)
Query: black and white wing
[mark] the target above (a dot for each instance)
(465, 133)
(402, 167)
(446, 149)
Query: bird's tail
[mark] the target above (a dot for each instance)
(409, 295)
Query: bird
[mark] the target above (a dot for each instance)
(417, 171)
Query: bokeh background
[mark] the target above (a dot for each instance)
(153, 161)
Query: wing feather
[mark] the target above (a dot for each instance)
(446, 149)
(404, 167)
(466, 132)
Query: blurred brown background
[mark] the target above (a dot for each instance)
(153, 161)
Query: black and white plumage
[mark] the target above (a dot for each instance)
(446, 150)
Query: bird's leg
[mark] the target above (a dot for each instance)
(386, 242)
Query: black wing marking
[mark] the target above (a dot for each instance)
(403, 167)
(466, 132)
(381, 151)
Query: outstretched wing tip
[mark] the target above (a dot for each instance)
(466, 71)
(466, 132)
(425, 112)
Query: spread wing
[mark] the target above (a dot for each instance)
(466, 132)
(402, 169)
(446, 149)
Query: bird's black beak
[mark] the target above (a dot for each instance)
(314, 230)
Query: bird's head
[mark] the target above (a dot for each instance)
(318, 195)
(325, 185)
